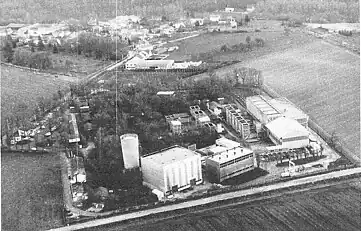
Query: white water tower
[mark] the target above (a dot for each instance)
(130, 149)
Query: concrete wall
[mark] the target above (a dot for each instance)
(153, 175)
(182, 172)
(235, 169)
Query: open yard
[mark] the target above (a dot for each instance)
(330, 208)
(22, 86)
(322, 79)
(31, 192)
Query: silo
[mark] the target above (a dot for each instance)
(130, 149)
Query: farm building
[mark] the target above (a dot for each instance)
(289, 110)
(227, 159)
(288, 133)
(236, 120)
(172, 169)
(262, 109)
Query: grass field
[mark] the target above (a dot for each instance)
(20, 86)
(275, 40)
(330, 208)
(31, 192)
(322, 79)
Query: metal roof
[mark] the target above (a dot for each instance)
(283, 127)
(263, 105)
(288, 109)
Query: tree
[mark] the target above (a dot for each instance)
(41, 45)
(8, 52)
(259, 42)
(197, 24)
(248, 39)
(32, 49)
(246, 19)
(55, 49)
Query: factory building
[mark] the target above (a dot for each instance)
(130, 150)
(287, 133)
(289, 110)
(138, 63)
(200, 116)
(237, 121)
(178, 122)
(172, 169)
(262, 109)
(227, 159)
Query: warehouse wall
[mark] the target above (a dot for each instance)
(152, 174)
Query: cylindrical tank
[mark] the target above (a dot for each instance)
(130, 149)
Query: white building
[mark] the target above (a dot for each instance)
(200, 116)
(236, 120)
(288, 133)
(214, 17)
(229, 9)
(262, 109)
(227, 159)
(173, 169)
(138, 63)
(289, 110)
(176, 126)
(130, 150)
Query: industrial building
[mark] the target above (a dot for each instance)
(137, 63)
(289, 110)
(130, 150)
(178, 122)
(262, 109)
(227, 159)
(200, 116)
(237, 121)
(288, 133)
(172, 169)
(175, 126)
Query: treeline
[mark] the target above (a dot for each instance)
(314, 11)
(244, 47)
(31, 11)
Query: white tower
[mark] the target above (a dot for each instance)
(130, 149)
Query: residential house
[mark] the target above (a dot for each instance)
(250, 8)
(229, 9)
(215, 17)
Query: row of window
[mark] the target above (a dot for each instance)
(236, 160)
(241, 170)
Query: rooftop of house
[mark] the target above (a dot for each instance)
(170, 155)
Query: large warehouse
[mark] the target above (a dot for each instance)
(288, 133)
(227, 159)
(172, 169)
(290, 110)
(262, 109)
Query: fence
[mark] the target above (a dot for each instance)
(339, 146)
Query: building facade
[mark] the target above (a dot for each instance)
(172, 169)
(227, 160)
(236, 120)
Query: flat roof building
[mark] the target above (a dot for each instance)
(172, 169)
(236, 120)
(288, 133)
(227, 159)
(289, 110)
(262, 109)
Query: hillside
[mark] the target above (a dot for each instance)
(43, 10)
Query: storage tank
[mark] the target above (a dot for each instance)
(130, 149)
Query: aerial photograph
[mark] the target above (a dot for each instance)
(184, 115)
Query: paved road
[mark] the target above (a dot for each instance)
(220, 197)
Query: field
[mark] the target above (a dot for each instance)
(275, 40)
(322, 79)
(330, 208)
(20, 86)
(31, 192)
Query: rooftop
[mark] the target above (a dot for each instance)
(287, 108)
(263, 105)
(170, 155)
(283, 127)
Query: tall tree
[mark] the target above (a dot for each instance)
(41, 45)
(8, 52)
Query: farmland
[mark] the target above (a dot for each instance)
(275, 40)
(322, 79)
(31, 191)
(21, 86)
(328, 208)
